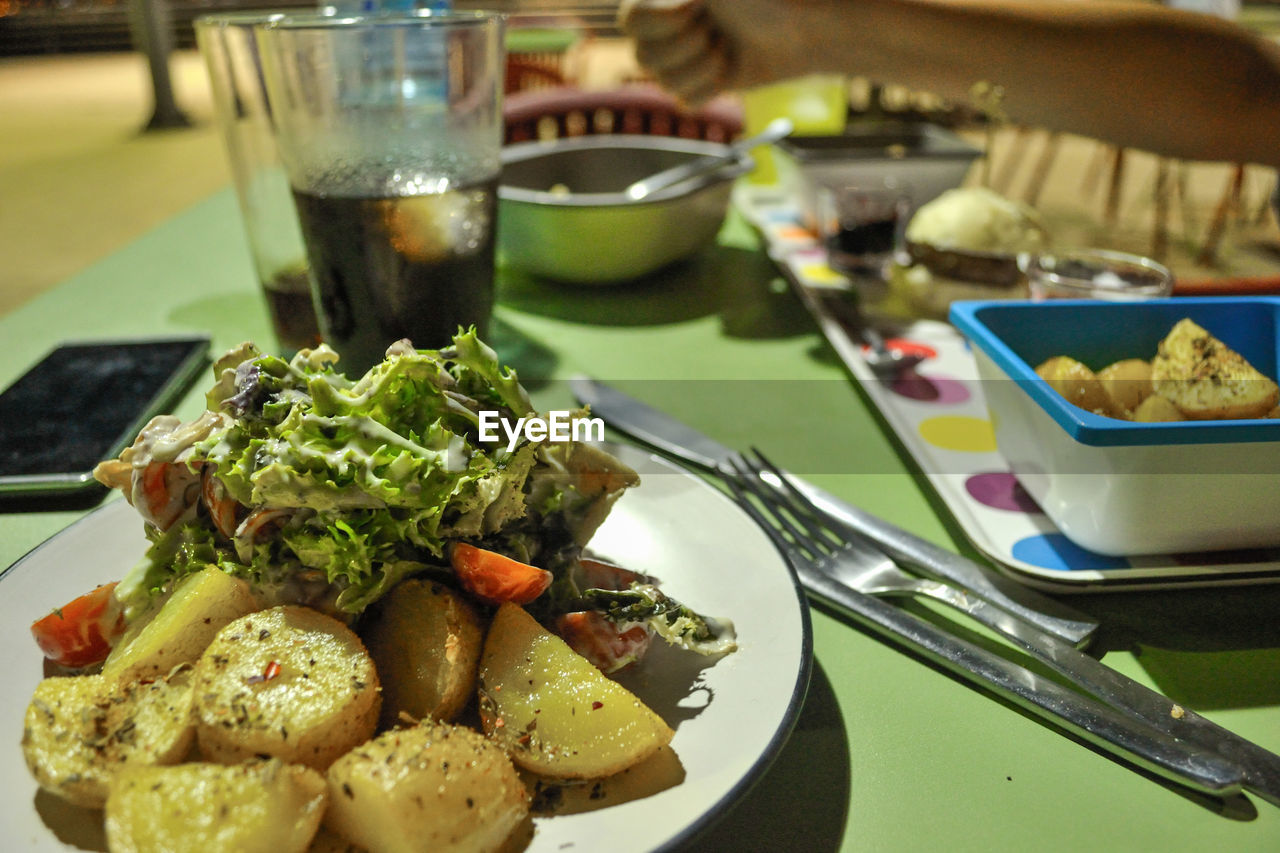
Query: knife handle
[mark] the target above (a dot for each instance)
(1185, 763)
(910, 550)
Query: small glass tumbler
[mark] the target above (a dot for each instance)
(1096, 274)
(226, 42)
(390, 129)
(862, 226)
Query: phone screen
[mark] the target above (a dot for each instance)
(83, 403)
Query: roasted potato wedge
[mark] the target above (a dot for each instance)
(435, 787)
(182, 627)
(265, 806)
(1077, 384)
(80, 731)
(1206, 379)
(1157, 409)
(1126, 383)
(288, 682)
(553, 711)
(425, 641)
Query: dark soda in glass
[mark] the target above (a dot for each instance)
(293, 317)
(862, 246)
(413, 266)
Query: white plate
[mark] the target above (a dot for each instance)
(731, 716)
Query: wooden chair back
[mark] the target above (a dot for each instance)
(637, 109)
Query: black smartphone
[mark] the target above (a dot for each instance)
(83, 403)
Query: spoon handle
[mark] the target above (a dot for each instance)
(775, 130)
(874, 340)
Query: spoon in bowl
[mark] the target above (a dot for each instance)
(775, 130)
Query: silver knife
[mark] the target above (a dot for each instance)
(675, 439)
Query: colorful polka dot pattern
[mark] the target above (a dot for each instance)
(996, 490)
(1000, 490)
(823, 276)
(959, 432)
(1055, 551)
(926, 388)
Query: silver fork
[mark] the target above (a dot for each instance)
(844, 571)
(850, 559)
(839, 565)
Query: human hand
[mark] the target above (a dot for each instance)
(699, 48)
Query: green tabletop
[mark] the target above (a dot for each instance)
(889, 752)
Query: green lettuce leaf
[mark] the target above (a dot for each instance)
(357, 484)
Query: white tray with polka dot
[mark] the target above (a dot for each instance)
(940, 417)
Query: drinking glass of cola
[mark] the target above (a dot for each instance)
(390, 129)
(230, 53)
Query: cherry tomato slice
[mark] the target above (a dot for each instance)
(80, 633)
(494, 578)
(602, 641)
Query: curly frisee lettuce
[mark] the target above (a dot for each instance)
(324, 491)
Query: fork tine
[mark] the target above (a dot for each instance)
(817, 522)
(764, 464)
(785, 545)
(745, 480)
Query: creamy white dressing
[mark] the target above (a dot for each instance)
(362, 425)
(178, 442)
(457, 456)
(348, 460)
(316, 359)
(138, 454)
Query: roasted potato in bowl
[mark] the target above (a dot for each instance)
(1207, 380)
(1163, 480)
(1193, 376)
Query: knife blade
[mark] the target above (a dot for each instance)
(680, 441)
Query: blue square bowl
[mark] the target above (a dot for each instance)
(1120, 487)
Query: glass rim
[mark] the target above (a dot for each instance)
(239, 18)
(1117, 262)
(331, 20)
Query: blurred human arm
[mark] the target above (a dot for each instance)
(1133, 73)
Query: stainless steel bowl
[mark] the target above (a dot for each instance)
(563, 215)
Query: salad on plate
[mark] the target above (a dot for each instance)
(345, 576)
